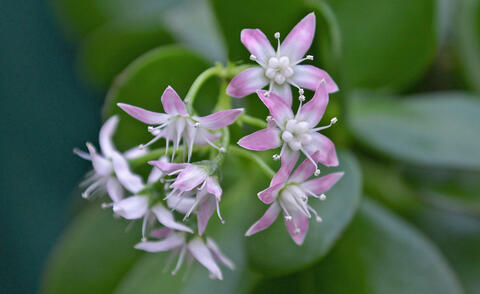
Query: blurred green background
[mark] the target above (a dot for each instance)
(405, 219)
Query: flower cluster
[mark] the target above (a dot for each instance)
(178, 198)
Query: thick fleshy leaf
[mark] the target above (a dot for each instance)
(265, 139)
(379, 253)
(336, 211)
(247, 82)
(438, 129)
(300, 38)
(143, 82)
(93, 255)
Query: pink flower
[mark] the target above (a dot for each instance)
(193, 180)
(280, 69)
(295, 133)
(289, 194)
(103, 178)
(177, 123)
(205, 254)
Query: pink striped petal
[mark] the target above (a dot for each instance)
(167, 167)
(309, 77)
(269, 195)
(219, 119)
(203, 135)
(204, 212)
(265, 221)
(133, 207)
(313, 110)
(289, 160)
(213, 187)
(247, 82)
(322, 185)
(303, 172)
(101, 165)
(300, 38)
(106, 134)
(172, 103)
(165, 217)
(191, 177)
(322, 150)
(284, 91)
(160, 233)
(201, 253)
(258, 44)
(172, 241)
(300, 221)
(265, 139)
(129, 180)
(279, 110)
(114, 189)
(218, 254)
(143, 115)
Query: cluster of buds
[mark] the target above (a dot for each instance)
(178, 198)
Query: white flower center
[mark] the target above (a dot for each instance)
(296, 134)
(279, 69)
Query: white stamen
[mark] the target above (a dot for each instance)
(317, 217)
(145, 226)
(180, 260)
(317, 172)
(301, 98)
(106, 205)
(222, 221)
(300, 91)
(253, 57)
(332, 122)
(309, 57)
(288, 218)
(323, 197)
(186, 101)
(276, 157)
(277, 35)
(297, 231)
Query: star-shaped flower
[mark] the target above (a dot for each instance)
(280, 69)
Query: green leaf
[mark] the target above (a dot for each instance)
(458, 237)
(143, 82)
(385, 44)
(379, 253)
(109, 49)
(149, 274)
(273, 252)
(92, 256)
(437, 129)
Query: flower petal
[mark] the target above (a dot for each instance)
(299, 221)
(201, 253)
(322, 185)
(279, 110)
(182, 203)
(133, 207)
(106, 134)
(266, 220)
(304, 171)
(167, 167)
(191, 177)
(114, 189)
(284, 91)
(203, 135)
(247, 82)
(265, 139)
(143, 115)
(269, 195)
(165, 217)
(172, 103)
(300, 38)
(219, 119)
(160, 233)
(213, 187)
(204, 212)
(129, 180)
(322, 150)
(155, 175)
(219, 255)
(313, 110)
(172, 241)
(135, 152)
(258, 44)
(309, 77)
(101, 165)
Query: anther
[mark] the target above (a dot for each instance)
(222, 149)
(309, 57)
(333, 120)
(323, 197)
(300, 91)
(276, 157)
(277, 35)
(318, 219)
(267, 94)
(196, 125)
(297, 231)
(150, 129)
(106, 205)
(301, 98)
(317, 172)
(223, 222)
(85, 195)
(253, 57)
(269, 118)
(288, 218)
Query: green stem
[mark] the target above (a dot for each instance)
(245, 118)
(255, 158)
(199, 81)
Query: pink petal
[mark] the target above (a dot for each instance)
(300, 38)
(129, 180)
(284, 91)
(265, 139)
(322, 150)
(269, 195)
(172, 103)
(155, 175)
(322, 185)
(258, 44)
(314, 109)
(181, 203)
(247, 82)
(201, 253)
(204, 212)
(173, 241)
(301, 222)
(309, 77)
(165, 217)
(106, 134)
(289, 159)
(266, 220)
(191, 177)
(219, 255)
(143, 115)
(213, 187)
(160, 233)
(135, 152)
(168, 167)
(101, 165)
(279, 110)
(303, 172)
(133, 207)
(219, 119)
(114, 189)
